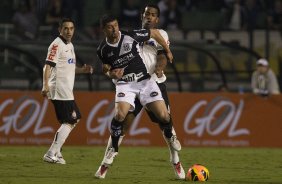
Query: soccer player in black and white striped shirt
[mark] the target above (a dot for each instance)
(167, 126)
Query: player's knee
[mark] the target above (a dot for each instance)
(128, 121)
(164, 117)
(120, 116)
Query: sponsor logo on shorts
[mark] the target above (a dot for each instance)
(121, 95)
(153, 94)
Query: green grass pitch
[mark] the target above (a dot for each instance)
(133, 165)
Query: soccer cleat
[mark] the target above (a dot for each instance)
(101, 172)
(174, 143)
(109, 157)
(179, 171)
(60, 160)
(50, 158)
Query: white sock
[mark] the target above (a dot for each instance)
(174, 157)
(60, 138)
(59, 154)
(109, 145)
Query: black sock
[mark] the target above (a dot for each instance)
(168, 132)
(167, 128)
(116, 131)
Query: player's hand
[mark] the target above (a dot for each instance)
(87, 69)
(45, 90)
(169, 56)
(106, 68)
(116, 73)
(159, 72)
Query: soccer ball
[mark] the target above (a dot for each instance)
(197, 172)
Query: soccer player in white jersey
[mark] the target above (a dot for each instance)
(155, 60)
(58, 81)
(122, 61)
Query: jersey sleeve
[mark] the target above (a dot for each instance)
(160, 49)
(100, 55)
(52, 55)
(140, 35)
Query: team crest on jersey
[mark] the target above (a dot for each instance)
(126, 47)
(110, 54)
(154, 93)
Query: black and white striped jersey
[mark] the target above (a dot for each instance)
(126, 54)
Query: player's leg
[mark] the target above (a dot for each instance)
(122, 108)
(158, 108)
(126, 124)
(102, 170)
(174, 147)
(173, 144)
(174, 158)
(124, 102)
(112, 147)
(172, 140)
(68, 115)
(151, 96)
(158, 112)
(114, 139)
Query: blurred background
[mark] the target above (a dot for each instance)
(216, 43)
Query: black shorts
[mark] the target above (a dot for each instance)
(138, 106)
(66, 111)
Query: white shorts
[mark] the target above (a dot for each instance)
(146, 90)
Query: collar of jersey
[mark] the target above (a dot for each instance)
(64, 40)
(115, 44)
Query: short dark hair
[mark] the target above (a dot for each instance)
(63, 20)
(151, 6)
(105, 19)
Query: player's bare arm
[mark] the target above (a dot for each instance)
(158, 37)
(46, 75)
(84, 69)
(114, 74)
(160, 65)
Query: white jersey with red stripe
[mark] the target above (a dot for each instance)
(61, 58)
(150, 50)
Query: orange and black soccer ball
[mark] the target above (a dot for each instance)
(198, 172)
